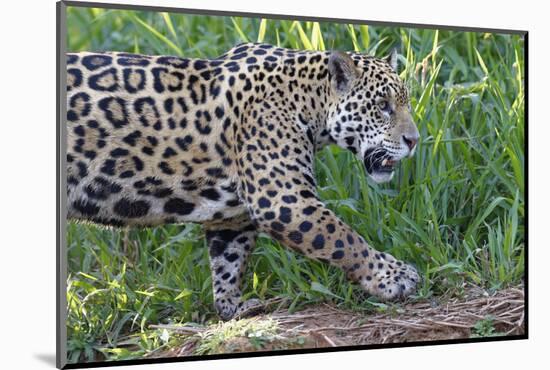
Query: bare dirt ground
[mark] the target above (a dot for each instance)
(477, 313)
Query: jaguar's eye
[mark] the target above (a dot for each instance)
(384, 106)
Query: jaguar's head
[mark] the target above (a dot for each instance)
(371, 113)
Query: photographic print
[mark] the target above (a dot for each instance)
(250, 184)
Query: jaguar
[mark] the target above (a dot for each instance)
(230, 143)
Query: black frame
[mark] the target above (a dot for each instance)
(61, 271)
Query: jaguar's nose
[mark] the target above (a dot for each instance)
(410, 141)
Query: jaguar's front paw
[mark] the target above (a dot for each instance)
(390, 279)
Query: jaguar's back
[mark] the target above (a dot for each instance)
(149, 139)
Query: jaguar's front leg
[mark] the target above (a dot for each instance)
(229, 246)
(281, 196)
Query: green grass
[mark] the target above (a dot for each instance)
(456, 210)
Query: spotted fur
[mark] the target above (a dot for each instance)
(229, 143)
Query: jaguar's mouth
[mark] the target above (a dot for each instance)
(387, 165)
(380, 165)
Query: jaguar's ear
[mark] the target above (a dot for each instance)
(391, 59)
(342, 71)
